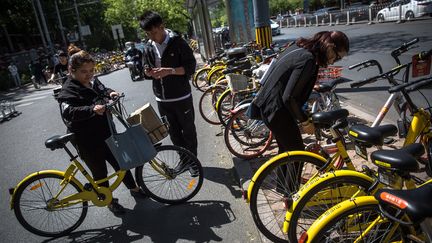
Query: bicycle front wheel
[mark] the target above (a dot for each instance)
(273, 189)
(322, 197)
(174, 176)
(36, 209)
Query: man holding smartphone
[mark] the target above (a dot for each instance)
(169, 62)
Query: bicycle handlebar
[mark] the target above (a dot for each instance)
(403, 48)
(364, 82)
(115, 100)
(367, 63)
(420, 84)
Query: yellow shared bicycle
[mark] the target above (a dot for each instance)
(388, 216)
(53, 203)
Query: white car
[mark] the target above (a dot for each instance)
(410, 9)
(275, 28)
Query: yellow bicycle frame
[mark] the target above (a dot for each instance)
(420, 124)
(85, 195)
(324, 195)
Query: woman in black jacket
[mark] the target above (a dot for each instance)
(290, 82)
(83, 100)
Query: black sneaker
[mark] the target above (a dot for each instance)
(139, 194)
(116, 208)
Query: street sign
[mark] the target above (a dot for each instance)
(117, 31)
(85, 30)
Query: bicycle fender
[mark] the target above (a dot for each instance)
(243, 106)
(336, 210)
(314, 182)
(275, 158)
(220, 98)
(57, 172)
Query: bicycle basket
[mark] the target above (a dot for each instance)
(237, 82)
(329, 73)
(156, 128)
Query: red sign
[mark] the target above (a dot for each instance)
(420, 67)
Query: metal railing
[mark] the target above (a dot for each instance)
(365, 14)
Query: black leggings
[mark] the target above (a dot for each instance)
(95, 157)
(288, 137)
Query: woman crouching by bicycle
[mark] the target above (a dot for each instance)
(83, 100)
(290, 82)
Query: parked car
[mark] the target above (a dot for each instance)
(359, 11)
(275, 28)
(410, 9)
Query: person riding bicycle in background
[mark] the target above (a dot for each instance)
(61, 68)
(83, 100)
(135, 55)
(290, 82)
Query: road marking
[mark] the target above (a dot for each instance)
(24, 104)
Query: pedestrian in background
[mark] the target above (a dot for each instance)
(13, 70)
(169, 62)
(61, 68)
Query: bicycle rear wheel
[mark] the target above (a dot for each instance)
(33, 211)
(246, 138)
(273, 190)
(207, 104)
(174, 176)
(200, 79)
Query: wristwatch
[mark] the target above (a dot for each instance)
(173, 71)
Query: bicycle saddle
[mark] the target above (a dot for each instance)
(415, 203)
(329, 85)
(328, 118)
(370, 136)
(57, 141)
(399, 159)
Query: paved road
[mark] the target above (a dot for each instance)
(217, 213)
(372, 42)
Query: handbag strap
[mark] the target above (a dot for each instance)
(110, 123)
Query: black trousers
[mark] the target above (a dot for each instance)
(95, 156)
(288, 137)
(181, 118)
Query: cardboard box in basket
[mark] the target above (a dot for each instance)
(149, 119)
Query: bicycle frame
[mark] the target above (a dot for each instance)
(98, 195)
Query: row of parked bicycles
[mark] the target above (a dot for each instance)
(107, 62)
(319, 195)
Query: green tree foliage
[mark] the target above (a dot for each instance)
(126, 12)
(218, 15)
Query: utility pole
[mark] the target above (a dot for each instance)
(263, 32)
(60, 23)
(39, 25)
(80, 37)
(47, 36)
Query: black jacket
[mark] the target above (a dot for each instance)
(78, 102)
(288, 84)
(177, 54)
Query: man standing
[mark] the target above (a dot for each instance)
(169, 62)
(13, 70)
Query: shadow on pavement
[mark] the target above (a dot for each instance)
(224, 177)
(192, 221)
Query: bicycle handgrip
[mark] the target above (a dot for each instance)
(363, 82)
(358, 64)
(419, 85)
